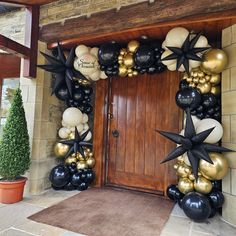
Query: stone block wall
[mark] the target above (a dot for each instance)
(229, 123)
(63, 9)
(43, 114)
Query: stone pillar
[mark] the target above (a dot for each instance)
(43, 114)
(229, 123)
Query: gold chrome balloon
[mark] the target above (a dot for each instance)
(123, 51)
(82, 165)
(128, 60)
(70, 159)
(191, 177)
(133, 46)
(123, 70)
(214, 171)
(60, 149)
(72, 135)
(202, 185)
(204, 88)
(215, 90)
(214, 61)
(215, 79)
(181, 171)
(180, 159)
(91, 162)
(185, 185)
(79, 157)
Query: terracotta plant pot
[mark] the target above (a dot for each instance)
(12, 191)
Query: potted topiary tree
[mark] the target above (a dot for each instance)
(14, 153)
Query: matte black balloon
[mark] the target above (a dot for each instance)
(72, 168)
(144, 57)
(76, 179)
(83, 186)
(62, 93)
(59, 176)
(188, 98)
(78, 95)
(209, 100)
(69, 187)
(183, 84)
(216, 199)
(90, 175)
(108, 53)
(196, 206)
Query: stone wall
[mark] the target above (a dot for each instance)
(229, 123)
(61, 10)
(43, 114)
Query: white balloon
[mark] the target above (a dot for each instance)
(62, 133)
(195, 121)
(208, 123)
(176, 37)
(103, 75)
(68, 131)
(164, 45)
(95, 76)
(94, 51)
(202, 42)
(72, 129)
(186, 160)
(63, 123)
(84, 118)
(80, 50)
(193, 64)
(88, 136)
(80, 127)
(86, 127)
(72, 116)
(182, 132)
(168, 62)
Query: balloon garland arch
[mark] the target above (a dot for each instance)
(200, 164)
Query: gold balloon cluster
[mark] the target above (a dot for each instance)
(126, 60)
(207, 173)
(203, 82)
(85, 162)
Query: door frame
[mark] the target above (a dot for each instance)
(100, 136)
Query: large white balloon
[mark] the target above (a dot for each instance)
(80, 128)
(86, 127)
(195, 121)
(186, 160)
(84, 118)
(176, 36)
(62, 133)
(80, 50)
(72, 116)
(208, 123)
(88, 136)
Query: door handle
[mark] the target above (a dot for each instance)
(115, 133)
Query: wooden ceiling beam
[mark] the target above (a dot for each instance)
(29, 2)
(130, 17)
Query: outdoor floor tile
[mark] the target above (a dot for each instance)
(68, 233)
(196, 233)
(226, 229)
(176, 226)
(14, 232)
(177, 211)
(49, 198)
(15, 214)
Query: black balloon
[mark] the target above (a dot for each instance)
(196, 206)
(183, 84)
(180, 203)
(209, 100)
(62, 93)
(72, 168)
(216, 199)
(188, 98)
(69, 187)
(216, 184)
(78, 95)
(213, 212)
(173, 193)
(59, 176)
(87, 108)
(83, 186)
(87, 90)
(90, 175)
(144, 57)
(108, 54)
(76, 179)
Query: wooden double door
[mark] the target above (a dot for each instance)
(138, 106)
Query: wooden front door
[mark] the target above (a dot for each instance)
(138, 106)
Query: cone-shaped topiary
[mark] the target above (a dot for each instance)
(14, 146)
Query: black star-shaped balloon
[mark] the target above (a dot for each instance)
(63, 69)
(193, 144)
(186, 52)
(77, 144)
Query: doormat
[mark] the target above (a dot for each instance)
(109, 212)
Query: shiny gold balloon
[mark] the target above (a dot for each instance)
(70, 159)
(91, 162)
(202, 185)
(215, 90)
(202, 81)
(189, 80)
(135, 73)
(191, 177)
(204, 88)
(215, 79)
(193, 85)
(133, 46)
(82, 165)
(180, 159)
(214, 171)
(214, 61)
(72, 135)
(123, 70)
(176, 166)
(79, 157)
(181, 171)
(196, 80)
(185, 185)
(128, 60)
(123, 51)
(207, 78)
(60, 149)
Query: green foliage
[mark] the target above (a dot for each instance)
(14, 146)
